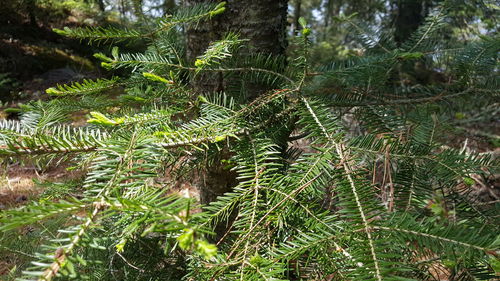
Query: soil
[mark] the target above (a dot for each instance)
(17, 182)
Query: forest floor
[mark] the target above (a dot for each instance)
(35, 58)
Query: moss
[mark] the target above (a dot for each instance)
(54, 57)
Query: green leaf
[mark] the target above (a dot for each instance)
(220, 138)
(53, 91)
(12, 110)
(408, 56)
(186, 239)
(59, 31)
(199, 63)
(257, 260)
(69, 266)
(107, 66)
(121, 245)
(156, 78)
(495, 263)
(103, 57)
(303, 22)
(206, 249)
(469, 181)
(219, 9)
(101, 119)
(202, 99)
(132, 98)
(217, 12)
(114, 52)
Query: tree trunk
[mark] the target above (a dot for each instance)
(263, 23)
(137, 8)
(296, 16)
(332, 8)
(31, 8)
(121, 9)
(409, 16)
(328, 13)
(198, 39)
(100, 3)
(169, 7)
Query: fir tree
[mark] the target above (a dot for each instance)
(328, 213)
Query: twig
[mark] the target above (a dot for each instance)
(128, 263)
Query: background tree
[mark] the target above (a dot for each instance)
(409, 16)
(263, 24)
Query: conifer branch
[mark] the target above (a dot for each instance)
(344, 160)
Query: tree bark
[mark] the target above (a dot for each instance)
(263, 23)
(332, 8)
(296, 16)
(137, 8)
(31, 8)
(101, 5)
(169, 7)
(328, 13)
(198, 39)
(409, 16)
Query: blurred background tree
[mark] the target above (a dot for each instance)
(28, 47)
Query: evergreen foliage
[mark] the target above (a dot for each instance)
(319, 214)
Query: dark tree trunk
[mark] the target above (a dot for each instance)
(100, 3)
(169, 7)
(332, 8)
(198, 39)
(296, 16)
(122, 9)
(137, 6)
(328, 13)
(31, 8)
(409, 16)
(263, 23)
